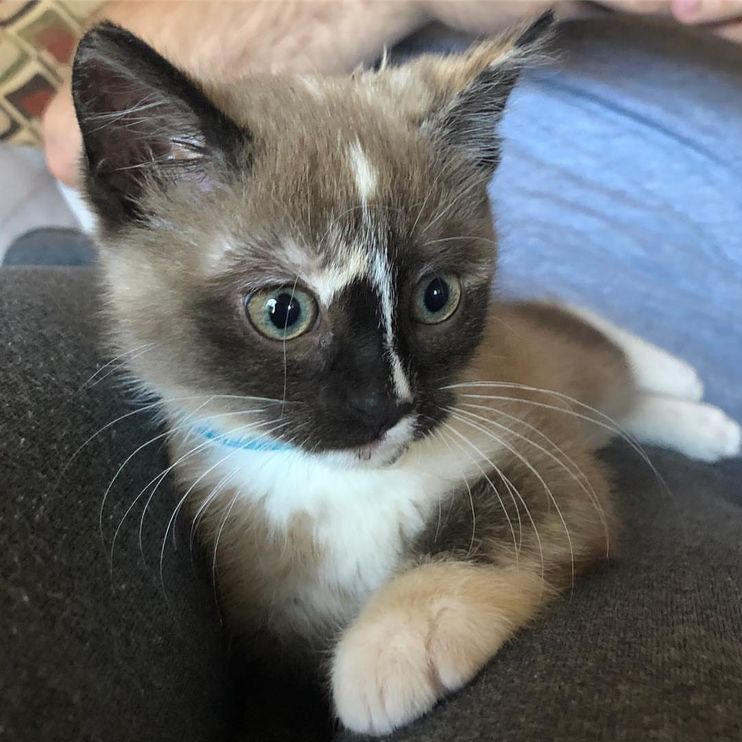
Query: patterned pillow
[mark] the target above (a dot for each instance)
(37, 39)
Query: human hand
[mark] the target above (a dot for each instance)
(722, 17)
(491, 16)
(294, 35)
(225, 40)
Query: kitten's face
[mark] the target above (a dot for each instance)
(352, 286)
(306, 260)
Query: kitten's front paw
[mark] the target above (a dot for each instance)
(382, 677)
(392, 670)
(425, 633)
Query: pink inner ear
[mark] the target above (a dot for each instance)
(191, 149)
(138, 127)
(144, 123)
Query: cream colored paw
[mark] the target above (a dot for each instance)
(381, 677)
(700, 431)
(393, 670)
(425, 633)
(717, 435)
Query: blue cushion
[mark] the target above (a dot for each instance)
(621, 188)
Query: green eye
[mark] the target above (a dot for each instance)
(436, 298)
(283, 313)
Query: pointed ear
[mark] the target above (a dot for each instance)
(144, 124)
(473, 90)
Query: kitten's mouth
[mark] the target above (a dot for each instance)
(389, 447)
(380, 453)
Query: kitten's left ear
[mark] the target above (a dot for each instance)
(144, 124)
(471, 91)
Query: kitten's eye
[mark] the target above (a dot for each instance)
(283, 313)
(436, 298)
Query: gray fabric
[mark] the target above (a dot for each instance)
(648, 649)
(89, 653)
(51, 246)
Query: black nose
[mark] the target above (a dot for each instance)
(377, 412)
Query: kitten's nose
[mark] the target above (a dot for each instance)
(377, 411)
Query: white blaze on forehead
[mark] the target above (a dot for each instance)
(399, 377)
(364, 173)
(217, 254)
(331, 280)
(325, 280)
(296, 257)
(381, 279)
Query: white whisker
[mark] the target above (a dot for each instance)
(588, 489)
(605, 421)
(250, 427)
(122, 467)
(216, 543)
(180, 503)
(470, 550)
(538, 476)
(106, 365)
(513, 489)
(155, 481)
(205, 504)
(158, 403)
(285, 365)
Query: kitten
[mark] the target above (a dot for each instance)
(389, 468)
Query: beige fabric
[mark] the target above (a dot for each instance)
(37, 40)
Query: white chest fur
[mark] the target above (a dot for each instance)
(362, 518)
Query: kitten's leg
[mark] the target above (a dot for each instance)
(698, 430)
(490, 562)
(424, 634)
(654, 369)
(668, 411)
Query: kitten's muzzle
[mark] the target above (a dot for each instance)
(377, 412)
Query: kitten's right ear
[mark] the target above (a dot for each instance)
(470, 91)
(144, 124)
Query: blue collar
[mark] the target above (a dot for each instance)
(245, 443)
